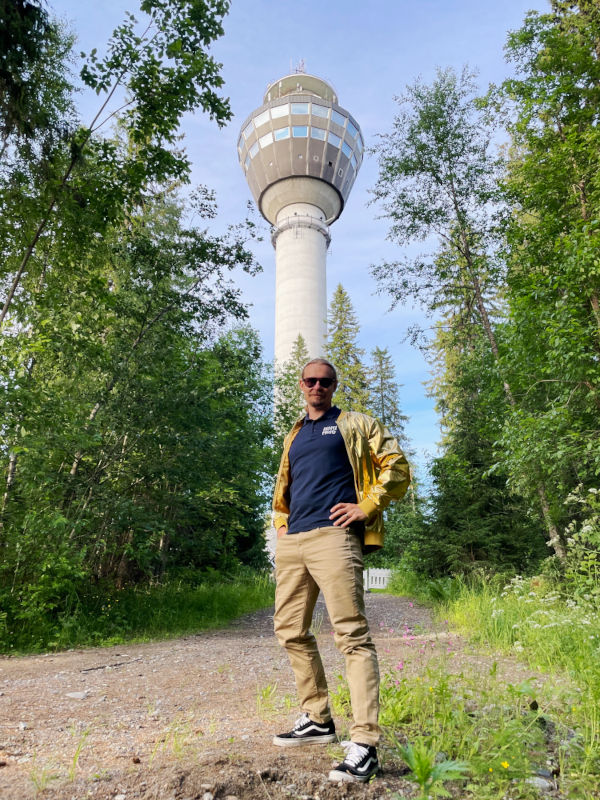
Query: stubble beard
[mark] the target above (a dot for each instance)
(317, 401)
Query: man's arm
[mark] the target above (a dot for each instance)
(281, 508)
(393, 478)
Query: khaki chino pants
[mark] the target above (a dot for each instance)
(329, 559)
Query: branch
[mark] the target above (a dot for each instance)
(74, 159)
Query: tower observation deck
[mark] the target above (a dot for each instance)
(300, 152)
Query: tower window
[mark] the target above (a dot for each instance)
(317, 133)
(266, 140)
(248, 130)
(345, 150)
(333, 139)
(262, 118)
(351, 130)
(282, 133)
(300, 131)
(253, 150)
(338, 118)
(320, 111)
(299, 108)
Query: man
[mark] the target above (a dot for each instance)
(338, 471)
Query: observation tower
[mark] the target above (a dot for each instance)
(300, 152)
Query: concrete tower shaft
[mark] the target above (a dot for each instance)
(300, 152)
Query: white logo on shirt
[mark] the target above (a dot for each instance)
(329, 429)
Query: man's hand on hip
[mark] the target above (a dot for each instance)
(344, 514)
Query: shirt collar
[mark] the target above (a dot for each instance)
(331, 413)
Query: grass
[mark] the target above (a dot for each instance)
(141, 613)
(41, 777)
(504, 735)
(75, 760)
(469, 724)
(266, 697)
(177, 739)
(552, 633)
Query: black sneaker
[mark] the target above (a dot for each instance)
(305, 731)
(360, 763)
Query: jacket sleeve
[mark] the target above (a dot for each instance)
(280, 518)
(281, 510)
(391, 471)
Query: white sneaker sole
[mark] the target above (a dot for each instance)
(307, 740)
(348, 777)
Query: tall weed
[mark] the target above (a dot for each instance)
(484, 736)
(511, 734)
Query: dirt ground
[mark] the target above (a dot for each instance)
(190, 718)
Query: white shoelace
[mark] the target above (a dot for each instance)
(354, 753)
(301, 721)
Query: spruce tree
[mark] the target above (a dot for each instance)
(289, 401)
(345, 354)
(385, 402)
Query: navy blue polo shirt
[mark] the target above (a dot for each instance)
(320, 472)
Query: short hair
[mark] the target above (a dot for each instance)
(320, 361)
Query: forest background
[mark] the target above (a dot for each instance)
(138, 442)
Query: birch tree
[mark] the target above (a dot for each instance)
(438, 179)
(553, 115)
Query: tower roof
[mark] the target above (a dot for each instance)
(300, 83)
(301, 136)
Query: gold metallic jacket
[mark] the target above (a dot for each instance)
(381, 472)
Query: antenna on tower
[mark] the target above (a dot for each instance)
(301, 68)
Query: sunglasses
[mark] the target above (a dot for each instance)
(324, 382)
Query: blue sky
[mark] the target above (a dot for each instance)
(368, 52)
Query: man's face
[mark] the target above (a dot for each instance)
(318, 397)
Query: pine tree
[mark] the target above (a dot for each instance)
(345, 354)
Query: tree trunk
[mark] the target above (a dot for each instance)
(10, 477)
(554, 537)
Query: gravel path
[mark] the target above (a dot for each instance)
(182, 719)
